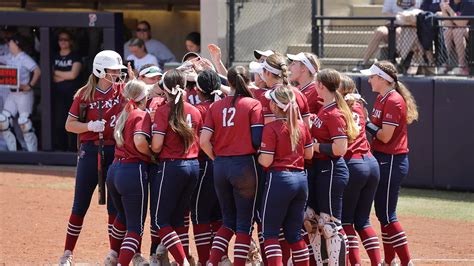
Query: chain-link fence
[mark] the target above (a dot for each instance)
(269, 24)
(350, 44)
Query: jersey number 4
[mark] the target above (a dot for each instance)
(228, 117)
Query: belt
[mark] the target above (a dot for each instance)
(126, 160)
(107, 142)
(285, 169)
(358, 156)
(14, 90)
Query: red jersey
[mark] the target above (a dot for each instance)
(173, 145)
(300, 100)
(112, 104)
(230, 125)
(276, 141)
(203, 107)
(191, 96)
(153, 104)
(138, 122)
(329, 125)
(360, 145)
(312, 97)
(391, 109)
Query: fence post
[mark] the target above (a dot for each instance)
(392, 46)
(231, 32)
(471, 47)
(314, 31)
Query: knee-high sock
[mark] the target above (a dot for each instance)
(74, 228)
(399, 242)
(110, 224)
(370, 241)
(300, 253)
(388, 251)
(183, 233)
(203, 240)
(285, 247)
(352, 244)
(171, 241)
(129, 248)
(273, 252)
(241, 248)
(117, 235)
(220, 245)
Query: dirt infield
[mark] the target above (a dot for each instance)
(35, 205)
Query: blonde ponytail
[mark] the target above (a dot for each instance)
(412, 109)
(286, 96)
(352, 130)
(87, 91)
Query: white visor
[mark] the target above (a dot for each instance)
(375, 70)
(258, 53)
(301, 57)
(256, 67)
(150, 72)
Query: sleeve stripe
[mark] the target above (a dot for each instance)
(73, 115)
(267, 152)
(340, 137)
(308, 145)
(268, 115)
(305, 115)
(257, 125)
(208, 128)
(142, 133)
(158, 132)
(390, 123)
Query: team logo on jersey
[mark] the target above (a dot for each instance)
(107, 104)
(389, 116)
(377, 113)
(317, 122)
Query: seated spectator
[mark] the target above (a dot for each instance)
(456, 31)
(390, 8)
(193, 42)
(139, 55)
(66, 69)
(154, 47)
(20, 100)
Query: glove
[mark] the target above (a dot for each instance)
(96, 126)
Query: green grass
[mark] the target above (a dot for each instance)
(446, 205)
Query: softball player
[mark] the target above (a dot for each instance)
(333, 129)
(286, 142)
(101, 87)
(205, 210)
(394, 109)
(364, 177)
(231, 136)
(175, 140)
(275, 74)
(127, 176)
(303, 68)
(20, 101)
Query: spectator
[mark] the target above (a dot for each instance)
(193, 42)
(154, 47)
(66, 69)
(456, 31)
(139, 55)
(390, 8)
(20, 100)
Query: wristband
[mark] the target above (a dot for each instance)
(326, 148)
(372, 128)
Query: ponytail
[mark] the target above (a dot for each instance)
(87, 91)
(285, 100)
(238, 78)
(174, 80)
(412, 109)
(134, 91)
(391, 70)
(352, 130)
(278, 62)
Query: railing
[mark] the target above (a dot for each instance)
(403, 49)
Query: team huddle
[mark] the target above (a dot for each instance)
(286, 154)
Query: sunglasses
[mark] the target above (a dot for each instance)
(142, 30)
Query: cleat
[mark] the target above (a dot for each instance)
(66, 259)
(111, 259)
(139, 260)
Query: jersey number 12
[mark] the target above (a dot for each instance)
(228, 117)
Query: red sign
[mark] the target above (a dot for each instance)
(9, 76)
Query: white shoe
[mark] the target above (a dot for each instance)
(139, 260)
(161, 257)
(111, 259)
(225, 262)
(458, 71)
(393, 263)
(66, 259)
(441, 70)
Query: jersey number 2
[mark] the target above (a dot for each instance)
(228, 122)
